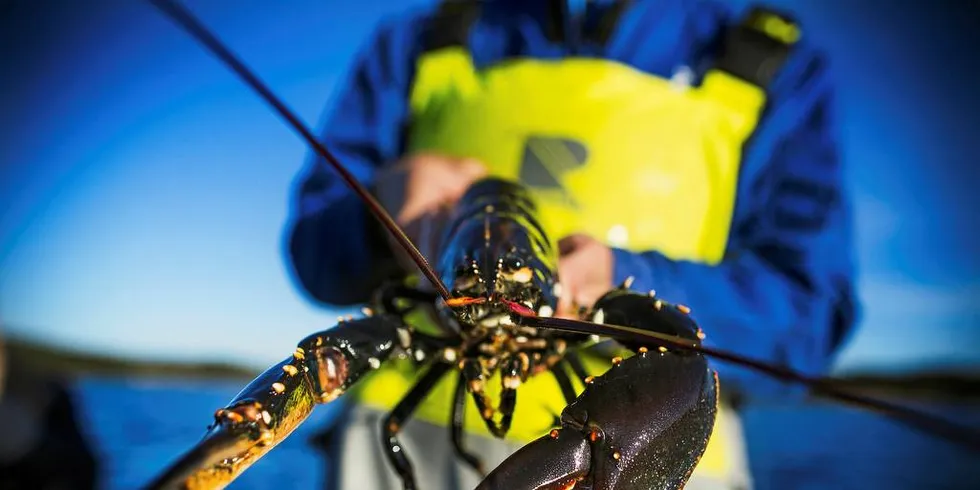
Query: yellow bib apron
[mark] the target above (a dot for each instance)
(624, 156)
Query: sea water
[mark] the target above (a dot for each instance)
(139, 426)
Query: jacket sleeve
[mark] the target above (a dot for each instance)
(336, 249)
(784, 291)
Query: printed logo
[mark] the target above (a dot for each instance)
(547, 158)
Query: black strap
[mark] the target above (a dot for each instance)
(450, 25)
(757, 47)
(555, 27)
(606, 25)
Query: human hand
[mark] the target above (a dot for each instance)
(585, 271)
(424, 183)
(420, 190)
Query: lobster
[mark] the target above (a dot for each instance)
(644, 423)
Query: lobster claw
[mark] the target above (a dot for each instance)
(559, 459)
(323, 366)
(643, 424)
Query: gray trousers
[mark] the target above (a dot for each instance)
(363, 464)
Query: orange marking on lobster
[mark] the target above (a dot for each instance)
(464, 301)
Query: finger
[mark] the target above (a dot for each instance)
(445, 188)
(570, 243)
(414, 208)
(464, 178)
(473, 168)
(463, 174)
(419, 202)
(456, 189)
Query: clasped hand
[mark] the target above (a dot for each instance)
(421, 190)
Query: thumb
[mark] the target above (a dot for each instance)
(566, 294)
(566, 307)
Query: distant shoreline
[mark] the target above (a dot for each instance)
(38, 357)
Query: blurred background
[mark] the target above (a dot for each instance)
(144, 192)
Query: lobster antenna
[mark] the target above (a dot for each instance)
(190, 24)
(933, 424)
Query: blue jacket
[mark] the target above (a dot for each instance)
(784, 294)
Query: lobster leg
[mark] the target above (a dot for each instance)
(576, 364)
(458, 418)
(514, 370)
(564, 383)
(323, 367)
(643, 424)
(394, 421)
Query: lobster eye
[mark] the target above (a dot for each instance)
(521, 275)
(466, 281)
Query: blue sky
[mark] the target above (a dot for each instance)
(144, 190)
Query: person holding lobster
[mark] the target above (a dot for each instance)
(686, 145)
